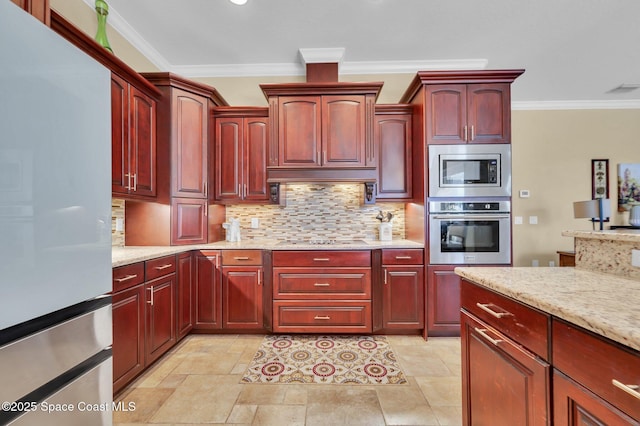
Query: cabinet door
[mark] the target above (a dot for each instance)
(189, 141)
(343, 131)
(208, 302)
(242, 297)
(119, 135)
(502, 383)
(489, 112)
(576, 406)
(299, 131)
(403, 297)
(443, 301)
(142, 142)
(255, 159)
(128, 335)
(446, 114)
(188, 221)
(393, 138)
(160, 333)
(228, 158)
(184, 295)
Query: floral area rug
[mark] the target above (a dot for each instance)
(324, 359)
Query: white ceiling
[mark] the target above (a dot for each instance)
(574, 51)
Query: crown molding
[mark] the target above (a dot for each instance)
(568, 105)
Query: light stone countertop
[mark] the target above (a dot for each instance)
(121, 256)
(606, 304)
(632, 235)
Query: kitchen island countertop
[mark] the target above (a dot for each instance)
(121, 256)
(605, 304)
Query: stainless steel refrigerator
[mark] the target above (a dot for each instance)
(55, 228)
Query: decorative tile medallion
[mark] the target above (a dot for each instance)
(324, 359)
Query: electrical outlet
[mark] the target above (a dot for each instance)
(552, 263)
(533, 220)
(635, 258)
(524, 193)
(255, 223)
(535, 262)
(518, 220)
(119, 224)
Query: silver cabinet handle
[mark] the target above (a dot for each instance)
(473, 133)
(321, 259)
(485, 307)
(127, 278)
(241, 257)
(630, 389)
(259, 276)
(324, 157)
(403, 257)
(465, 133)
(151, 297)
(135, 182)
(321, 284)
(160, 268)
(483, 333)
(318, 317)
(385, 275)
(128, 185)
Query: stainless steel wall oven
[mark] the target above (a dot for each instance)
(469, 232)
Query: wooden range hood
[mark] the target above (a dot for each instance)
(322, 130)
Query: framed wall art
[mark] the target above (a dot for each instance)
(599, 179)
(628, 186)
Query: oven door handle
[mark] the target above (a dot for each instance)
(471, 216)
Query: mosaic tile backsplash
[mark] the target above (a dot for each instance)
(318, 212)
(312, 212)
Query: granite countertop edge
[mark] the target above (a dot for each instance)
(632, 235)
(121, 256)
(605, 304)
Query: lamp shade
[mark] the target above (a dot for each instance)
(588, 209)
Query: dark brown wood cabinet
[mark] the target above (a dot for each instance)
(241, 140)
(180, 214)
(208, 291)
(242, 290)
(322, 291)
(393, 136)
(185, 297)
(160, 333)
(504, 380)
(133, 132)
(443, 301)
(403, 289)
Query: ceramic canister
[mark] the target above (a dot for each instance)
(634, 216)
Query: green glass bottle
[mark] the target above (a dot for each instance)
(102, 10)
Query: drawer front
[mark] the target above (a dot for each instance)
(161, 266)
(524, 324)
(322, 317)
(127, 276)
(403, 257)
(596, 363)
(338, 283)
(322, 258)
(242, 257)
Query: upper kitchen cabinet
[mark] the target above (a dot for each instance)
(184, 134)
(40, 9)
(133, 117)
(240, 159)
(321, 127)
(393, 138)
(464, 106)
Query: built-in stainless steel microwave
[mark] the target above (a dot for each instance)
(470, 170)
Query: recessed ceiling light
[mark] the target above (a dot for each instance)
(238, 2)
(625, 88)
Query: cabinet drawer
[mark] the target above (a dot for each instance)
(242, 257)
(127, 276)
(524, 324)
(595, 363)
(322, 258)
(161, 266)
(336, 283)
(322, 317)
(402, 257)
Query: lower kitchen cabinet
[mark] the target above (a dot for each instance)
(242, 289)
(208, 293)
(185, 308)
(403, 289)
(443, 301)
(160, 333)
(128, 335)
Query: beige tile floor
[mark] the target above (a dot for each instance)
(198, 382)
